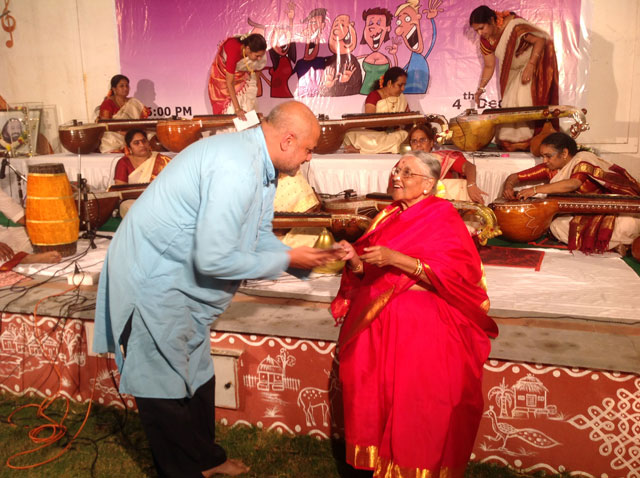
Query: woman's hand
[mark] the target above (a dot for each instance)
(509, 192)
(526, 193)
(6, 253)
(527, 73)
(348, 253)
(379, 256)
(240, 113)
(479, 93)
(475, 194)
(346, 250)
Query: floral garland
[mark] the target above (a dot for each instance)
(246, 61)
(500, 16)
(15, 144)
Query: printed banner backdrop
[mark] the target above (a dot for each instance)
(167, 48)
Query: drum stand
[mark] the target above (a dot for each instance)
(83, 212)
(20, 178)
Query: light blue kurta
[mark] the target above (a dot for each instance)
(178, 257)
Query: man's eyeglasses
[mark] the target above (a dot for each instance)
(406, 173)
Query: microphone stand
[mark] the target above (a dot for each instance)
(83, 210)
(20, 178)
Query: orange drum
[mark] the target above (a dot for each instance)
(51, 213)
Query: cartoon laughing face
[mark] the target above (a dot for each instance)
(408, 28)
(376, 31)
(342, 39)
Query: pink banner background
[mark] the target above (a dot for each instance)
(167, 47)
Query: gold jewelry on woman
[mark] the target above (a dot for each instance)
(247, 61)
(357, 268)
(471, 184)
(534, 190)
(419, 269)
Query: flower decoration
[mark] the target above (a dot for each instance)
(444, 137)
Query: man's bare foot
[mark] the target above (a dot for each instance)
(230, 467)
(48, 257)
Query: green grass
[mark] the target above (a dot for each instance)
(112, 444)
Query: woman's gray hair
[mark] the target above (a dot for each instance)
(430, 165)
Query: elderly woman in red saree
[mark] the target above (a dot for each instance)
(568, 171)
(415, 333)
(233, 86)
(528, 68)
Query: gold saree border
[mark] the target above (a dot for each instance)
(367, 317)
(366, 458)
(381, 217)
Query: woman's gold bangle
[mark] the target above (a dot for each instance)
(357, 268)
(419, 269)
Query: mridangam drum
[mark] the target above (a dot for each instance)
(51, 212)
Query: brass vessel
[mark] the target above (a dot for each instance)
(326, 241)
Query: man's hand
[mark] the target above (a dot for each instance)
(309, 257)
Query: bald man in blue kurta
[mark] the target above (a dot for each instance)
(176, 261)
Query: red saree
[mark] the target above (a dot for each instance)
(218, 91)
(411, 361)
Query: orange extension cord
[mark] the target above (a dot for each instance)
(57, 429)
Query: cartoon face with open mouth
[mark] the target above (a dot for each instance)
(312, 33)
(408, 27)
(342, 39)
(376, 31)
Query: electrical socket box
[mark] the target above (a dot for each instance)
(225, 365)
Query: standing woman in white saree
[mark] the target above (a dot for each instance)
(528, 68)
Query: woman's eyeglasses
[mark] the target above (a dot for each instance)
(413, 142)
(406, 173)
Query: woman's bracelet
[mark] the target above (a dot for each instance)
(471, 184)
(357, 268)
(481, 89)
(419, 269)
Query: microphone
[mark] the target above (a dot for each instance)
(3, 169)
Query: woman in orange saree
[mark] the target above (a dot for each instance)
(415, 333)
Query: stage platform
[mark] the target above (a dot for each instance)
(327, 173)
(562, 389)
